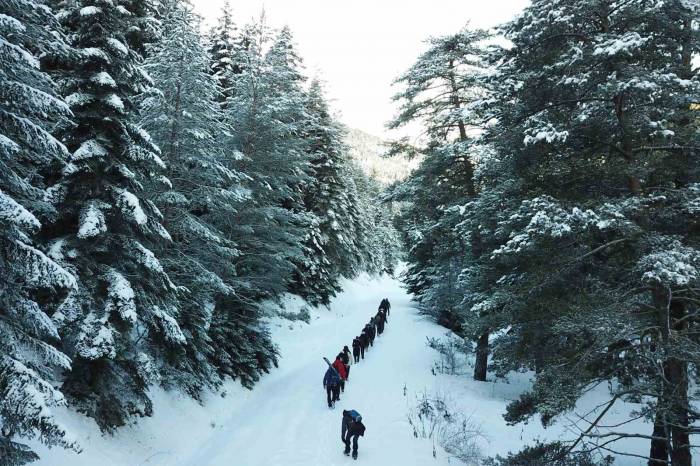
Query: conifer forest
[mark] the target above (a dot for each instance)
(169, 185)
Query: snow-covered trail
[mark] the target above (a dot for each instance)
(285, 420)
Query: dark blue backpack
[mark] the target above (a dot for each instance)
(355, 416)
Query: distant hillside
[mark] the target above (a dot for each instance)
(367, 151)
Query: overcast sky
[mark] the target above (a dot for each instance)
(358, 47)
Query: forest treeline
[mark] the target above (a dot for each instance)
(554, 219)
(157, 184)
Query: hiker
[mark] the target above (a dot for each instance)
(331, 382)
(351, 428)
(385, 306)
(371, 332)
(347, 360)
(379, 319)
(364, 342)
(356, 349)
(339, 366)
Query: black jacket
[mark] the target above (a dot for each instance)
(356, 428)
(350, 427)
(364, 338)
(345, 357)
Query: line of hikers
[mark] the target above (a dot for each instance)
(338, 373)
(374, 328)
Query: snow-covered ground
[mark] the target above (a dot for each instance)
(285, 421)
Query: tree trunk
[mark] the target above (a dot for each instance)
(468, 165)
(673, 323)
(680, 439)
(678, 381)
(482, 356)
(659, 444)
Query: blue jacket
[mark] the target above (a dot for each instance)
(332, 378)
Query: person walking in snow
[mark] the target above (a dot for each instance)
(351, 429)
(331, 382)
(371, 332)
(356, 349)
(364, 342)
(379, 319)
(339, 366)
(385, 306)
(347, 360)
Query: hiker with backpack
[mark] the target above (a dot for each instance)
(385, 306)
(339, 366)
(351, 428)
(364, 342)
(331, 382)
(347, 360)
(379, 319)
(371, 332)
(356, 349)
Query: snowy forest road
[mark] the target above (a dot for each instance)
(285, 421)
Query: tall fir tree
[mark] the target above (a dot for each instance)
(226, 63)
(444, 93)
(184, 118)
(266, 115)
(332, 199)
(31, 283)
(120, 323)
(595, 242)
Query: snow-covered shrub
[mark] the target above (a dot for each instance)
(302, 314)
(452, 351)
(432, 418)
(548, 454)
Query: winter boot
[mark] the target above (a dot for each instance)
(354, 455)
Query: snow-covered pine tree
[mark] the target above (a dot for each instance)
(598, 245)
(222, 47)
(266, 114)
(30, 282)
(443, 91)
(185, 120)
(120, 323)
(331, 251)
(146, 26)
(377, 239)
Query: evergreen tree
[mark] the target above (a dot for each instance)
(331, 198)
(120, 323)
(146, 26)
(185, 120)
(31, 283)
(595, 243)
(377, 240)
(225, 62)
(267, 114)
(444, 92)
